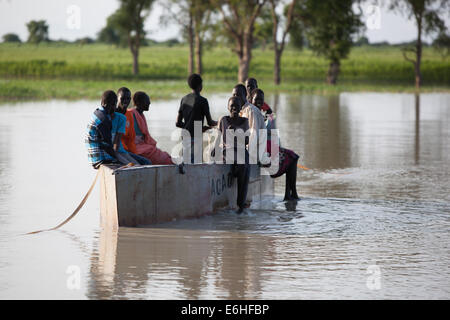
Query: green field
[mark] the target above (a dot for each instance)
(74, 71)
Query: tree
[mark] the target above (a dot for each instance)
(110, 34)
(193, 16)
(330, 26)
(263, 28)
(426, 16)
(85, 40)
(38, 31)
(362, 41)
(129, 22)
(278, 47)
(201, 12)
(181, 13)
(239, 20)
(11, 37)
(442, 44)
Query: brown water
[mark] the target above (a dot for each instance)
(373, 221)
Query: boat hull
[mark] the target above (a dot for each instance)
(147, 195)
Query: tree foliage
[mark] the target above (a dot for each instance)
(263, 28)
(442, 44)
(11, 37)
(38, 31)
(127, 23)
(331, 26)
(110, 34)
(238, 19)
(427, 17)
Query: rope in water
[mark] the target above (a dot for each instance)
(337, 173)
(76, 210)
(302, 167)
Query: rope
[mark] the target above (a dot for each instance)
(302, 167)
(76, 210)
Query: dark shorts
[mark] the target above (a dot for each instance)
(287, 157)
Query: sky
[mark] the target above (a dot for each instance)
(74, 19)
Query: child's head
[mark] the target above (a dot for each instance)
(123, 99)
(195, 82)
(250, 85)
(240, 91)
(234, 106)
(141, 100)
(109, 101)
(257, 98)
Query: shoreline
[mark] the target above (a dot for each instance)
(46, 89)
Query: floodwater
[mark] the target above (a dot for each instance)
(373, 221)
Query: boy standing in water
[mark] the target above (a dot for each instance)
(98, 137)
(194, 108)
(236, 125)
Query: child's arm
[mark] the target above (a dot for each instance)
(116, 142)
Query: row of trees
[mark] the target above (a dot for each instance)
(329, 27)
(37, 32)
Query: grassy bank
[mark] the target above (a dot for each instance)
(77, 89)
(73, 71)
(101, 62)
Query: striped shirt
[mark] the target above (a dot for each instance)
(98, 137)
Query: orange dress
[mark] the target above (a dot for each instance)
(130, 135)
(146, 145)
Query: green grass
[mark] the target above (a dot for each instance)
(20, 89)
(73, 71)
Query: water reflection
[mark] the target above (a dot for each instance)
(417, 131)
(177, 263)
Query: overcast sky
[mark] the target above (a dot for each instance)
(72, 19)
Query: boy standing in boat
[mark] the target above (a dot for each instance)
(193, 109)
(98, 137)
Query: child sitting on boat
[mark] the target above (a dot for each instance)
(287, 158)
(98, 136)
(145, 144)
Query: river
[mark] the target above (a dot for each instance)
(372, 223)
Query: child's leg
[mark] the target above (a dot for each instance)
(287, 189)
(293, 179)
(140, 159)
(125, 158)
(242, 172)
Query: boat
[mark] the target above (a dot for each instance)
(146, 195)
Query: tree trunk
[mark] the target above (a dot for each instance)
(191, 46)
(198, 53)
(418, 56)
(277, 67)
(333, 72)
(135, 53)
(244, 58)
